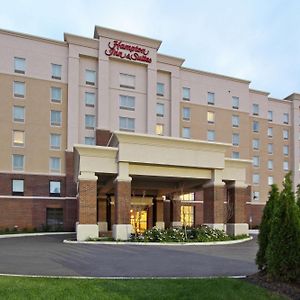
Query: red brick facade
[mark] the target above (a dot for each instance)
(122, 201)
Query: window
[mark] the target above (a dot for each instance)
(270, 164)
(186, 93)
(89, 121)
(255, 196)
(19, 65)
(255, 144)
(55, 117)
(255, 109)
(89, 140)
(210, 117)
(18, 138)
(255, 178)
(56, 71)
(127, 81)
(255, 126)
(160, 109)
(255, 161)
(160, 89)
(235, 102)
(270, 115)
(186, 113)
(55, 94)
(55, 141)
(285, 150)
(235, 121)
(89, 99)
(19, 114)
(270, 132)
(187, 215)
(210, 98)
(285, 134)
(54, 188)
(18, 162)
(18, 187)
(19, 89)
(285, 165)
(285, 118)
(126, 124)
(90, 77)
(270, 180)
(235, 139)
(235, 155)
(159, 129)
(211, 135)
(270, 148)
(55, 164)
(186, 132)
(127, 102)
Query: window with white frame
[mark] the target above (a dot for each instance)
(235, 121)
(159, 129)
(255, 178)
(19, 89)
(255, 144)
(285, 134)
(186, 93)
(255, 196)
(255, 126)
(18, 162)
(235, 155)
(255, 109)
(90, 99)
(90, 121)
(127, 102)
(55, 141)
(55, 118)
(127, 81)
(126, 124)
(186, 113)
(285, 165)
(54, 164)
(270, 115)
(285, 118)
(56, 94)
(90, 77)
(160, 89)
(210, 98)
(54, 188)
(235, 102)
(270, 164)
(19, 65)
(18, 138)
(235, 139)
(211, 135)
(18, 187)
(160, 109)
(56, 71)
(88, 140)
(19, 114)
(210, 117)
(270, 148)
(255, 161)
(285, 150)
(270, 180)
(270, 132)
(186, 132)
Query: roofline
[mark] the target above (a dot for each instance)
(81, 40)
(171, 60)
(259, 92)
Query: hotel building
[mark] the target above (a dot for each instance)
(107, 134)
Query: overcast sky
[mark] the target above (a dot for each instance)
(258, 40)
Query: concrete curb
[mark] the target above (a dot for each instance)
(254, 231)
(159, 244)
(16, 235)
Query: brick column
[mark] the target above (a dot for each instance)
(87, 225)
(102, 214)
(238, 196)
(176, 211)
(159, 213)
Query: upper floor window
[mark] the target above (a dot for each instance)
(159, 129)
(235, 121)
(186, 93)
(55, 141)
(19, 65)
(211, 135)
(270, 115)
(186, 132)
(270, 180)
(18, 187)
(90, 121)
(18, 138)
(235, 102)
(126, 124)
(255, 109)
(255, 196)
(160, 109)
(210, 98)
(56, 71)
(186, 113)
(54, 188)
(255, 126)
(235, 139)
(255, 161)
(210, 117)
(55, 94)
(55, 118)
(55, 164)
(255, 178)
(90, 77)
(285, 166)
(270, 132)
(89, 99)
(88, 140)
(19, 89)
(270, 148)
(285, 118)
(160, 89)
(285, 134)
(285, 150)
(19, 114)
(127, 81)
(235, 155)
(18, 162)
(127, 102)
(270, 164)
(255, 144)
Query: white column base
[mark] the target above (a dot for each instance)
(219, 226)
(85, 231)
(237, 228)
(102, 226)
(176, 224)
(160, 225)
(121, 231)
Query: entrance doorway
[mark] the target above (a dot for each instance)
(55, 218)
(138, 218)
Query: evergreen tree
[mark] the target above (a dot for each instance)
(298, 195)
(265, 227)
(283, 250)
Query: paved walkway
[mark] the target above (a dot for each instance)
(47, 255)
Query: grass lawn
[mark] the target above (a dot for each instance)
(52, 288)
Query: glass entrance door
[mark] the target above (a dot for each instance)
(138, 219)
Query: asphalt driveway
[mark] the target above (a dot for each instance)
(47, 255)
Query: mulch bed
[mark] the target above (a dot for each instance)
(289, 290)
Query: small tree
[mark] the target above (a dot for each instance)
(265, 227)
(282, 256)
(298, 195)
